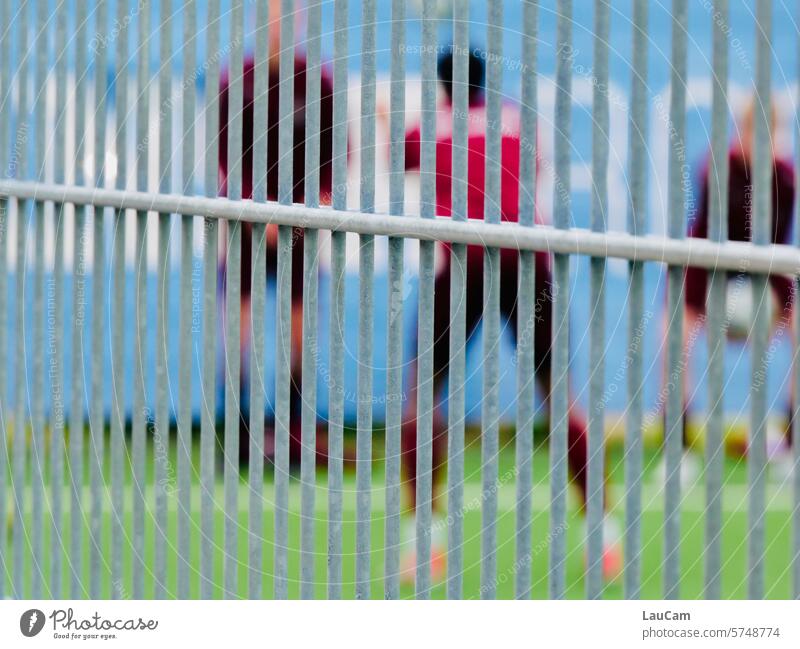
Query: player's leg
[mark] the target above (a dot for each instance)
(441, 357)
(245, 327)
(577, 430)
(295, 390)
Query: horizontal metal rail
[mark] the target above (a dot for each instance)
(701, 253)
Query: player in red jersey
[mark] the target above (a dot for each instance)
(740, 300)
(298, 195)
(509, 207)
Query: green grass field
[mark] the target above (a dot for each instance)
(734, 536)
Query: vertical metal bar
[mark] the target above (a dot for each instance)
(762, 196)
(57, 331)
(80, 247)
(283, 355)
(596, 446)
(208, 440)
(19, 455)
(526, 311)
(233, 276)
(185, 325)
(161, 444)
(37, 407)
(19, 467)
(140, 412)
(458, 298)
(424, 485)
(637, 172)
(559, 397)
(310, 294)
(366, 307)
(97, 406)
(5, 121)
(258, 289)
(118, 536)
(394, 334)
(338, 249)
(673, 428)
(717, 231)
(490, 410)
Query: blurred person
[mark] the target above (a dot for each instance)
(271, 127)
(509, 197)
(740, 300)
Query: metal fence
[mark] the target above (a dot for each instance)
(52, 57)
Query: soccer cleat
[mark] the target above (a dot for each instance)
(612, 561)
(612, 548)
(408, 566)
(408, 558)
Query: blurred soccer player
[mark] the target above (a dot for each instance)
(298, 170)
(740, 299)
(509, 198)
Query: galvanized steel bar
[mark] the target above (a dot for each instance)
(366, 306)
(762, 166)
(425, 405)
(37, 573)
(57, 331)
(161, 443)
(119, 538)
(676, 199)
(716, 304)
(184, 408)
(5, 121)
(140, 409)
(336, 326)
(256, 447)
(233, 274)
(98, 365)
(778, 259)
(80, 247)
(310, 293)
(160, 450)
(599, 208)
(490, 408)
(19, 466)
(283, 342)
(208, 437)
(637, 172)
(36, 531)
(559, 383)
(257, 306)
(526, 311)
(394, 333)
(458, 299)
